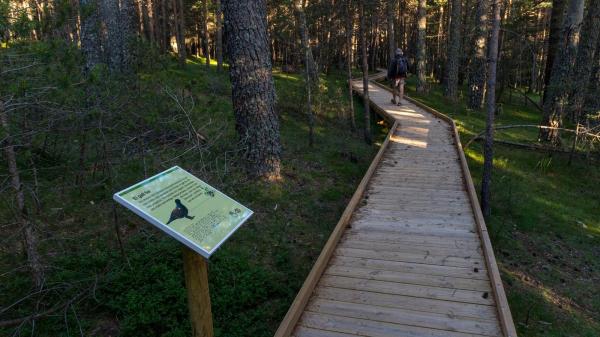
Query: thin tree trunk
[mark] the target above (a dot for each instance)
(304, 41)
(557, 90)
(584, 62)
(29, 235)
(179, 37)
(350, 60)
(253, 90)
(453, 58)
(477, 73)
(205, 37)
(421, 46)
(219, 35)
(391, 9)
(365, 71)
(309, 69)
(488, 150)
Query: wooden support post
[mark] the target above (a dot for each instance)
(196, 282)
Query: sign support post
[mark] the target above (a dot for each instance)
(198, 295)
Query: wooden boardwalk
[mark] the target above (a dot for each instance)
(411, 255)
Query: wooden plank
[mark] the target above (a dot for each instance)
(302, 331)
(504, 314)
(370, 328)
(411, 223)
(403, 316)
(412, 248)
(426, 231)
(444, 260)
(411, 267)
(411, 278)
(421, 240)
(450, 309)
(291, 318)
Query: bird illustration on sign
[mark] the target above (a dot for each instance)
(179, 212)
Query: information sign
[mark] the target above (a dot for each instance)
(187, 208)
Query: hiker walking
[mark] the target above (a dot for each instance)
(396, 73)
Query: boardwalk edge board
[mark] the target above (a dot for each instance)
(296, 309)
(292, 317)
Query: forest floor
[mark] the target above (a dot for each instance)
(545, 223)
(253, 277)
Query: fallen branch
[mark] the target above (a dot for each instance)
(527, 146)
(530, 126)
(55, 308)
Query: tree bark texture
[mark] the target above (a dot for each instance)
(253, 91)
(90, 37)
(114, 38)
(558, 88)
(556, 19)
(453, 58)
(365, 73)
(488, 150)
(584, 63)
(421, 46)
(477, 72)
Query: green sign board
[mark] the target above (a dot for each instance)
(187, 208)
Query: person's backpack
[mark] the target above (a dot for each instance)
(401, 67)
(398, 68)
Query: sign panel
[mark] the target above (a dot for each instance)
(187, 208)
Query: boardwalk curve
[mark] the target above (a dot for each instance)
(410, 255)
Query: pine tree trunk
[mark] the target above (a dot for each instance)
(477, 73)
(165, 36)
(127, 19)
(350, 60)
(309, 68)
(592, 103)
(219, 35)
(29, 235)
(584, 62)
(90, 37)
(365, 71)
(179, 31)
(304, 41)
(557, 89)
(556, 19)
(421, 46)
(114, 38)
(253, 90)
(488, 153)
(453, 58)
(205, 37)
(391, 9)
